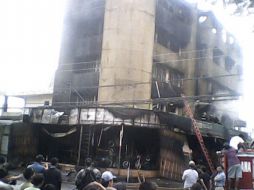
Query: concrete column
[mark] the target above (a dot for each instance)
(190, 63)
(127, 51)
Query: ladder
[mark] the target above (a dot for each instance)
(84, 148)
(198, 133)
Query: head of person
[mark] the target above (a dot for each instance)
(196, 186)
(54, 161)
(219, 168)
(107, 179)
(38, 180)
(88, 162)
(226, 146)
(204, 170)
(147, 186)
(39, 158)
(192, 164)
(28, 173)
(49, 187)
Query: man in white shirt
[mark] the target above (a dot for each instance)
(190, 176)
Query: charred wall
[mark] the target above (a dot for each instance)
(172, 158)
(173, 24)
(78, 72)
(175, 39)
(23, 143)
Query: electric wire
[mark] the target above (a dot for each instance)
(175, 99)
(155, 55)
(150, 82)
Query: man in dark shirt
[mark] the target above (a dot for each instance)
(53, 175)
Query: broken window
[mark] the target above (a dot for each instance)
(217, 56)
(173, 24)
(229, 63)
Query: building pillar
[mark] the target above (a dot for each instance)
(127, 52)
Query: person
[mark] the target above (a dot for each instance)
(37, 165)
(94, 186)
(3, 185)
(28, 174)
(234, 167)
(49, 187)
(107, 180)
(196, 186)
(37, 181)
(220, 178)
(205, 177)
(211, 181)
(53, 174)
(190, 176)
(200, 179)
(87, 175)
(119, 186)
(147, 186)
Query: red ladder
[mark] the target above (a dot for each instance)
(198, 133)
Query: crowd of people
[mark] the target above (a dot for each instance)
(196, 178)
(39, 176)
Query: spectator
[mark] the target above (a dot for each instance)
(147, 186)
(87, 175)
(196, 186)
(219, 179)
(3, 185)
(49, 187)
(190, 176)
(37, 181)
(107, 180)
(53, 175)
(37, 165)
(28, 174)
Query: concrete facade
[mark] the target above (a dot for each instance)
(127, 50)
(134, 53)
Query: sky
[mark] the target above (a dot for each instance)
(30, 39)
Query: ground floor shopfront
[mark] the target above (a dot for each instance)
(126, 140)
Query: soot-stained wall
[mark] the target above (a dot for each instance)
(78, 72)
(173, 24)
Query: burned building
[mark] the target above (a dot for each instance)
(117, 93)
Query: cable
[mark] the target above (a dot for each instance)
(222, 97)
(155, 62)
(150, 82)
(155, 55)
